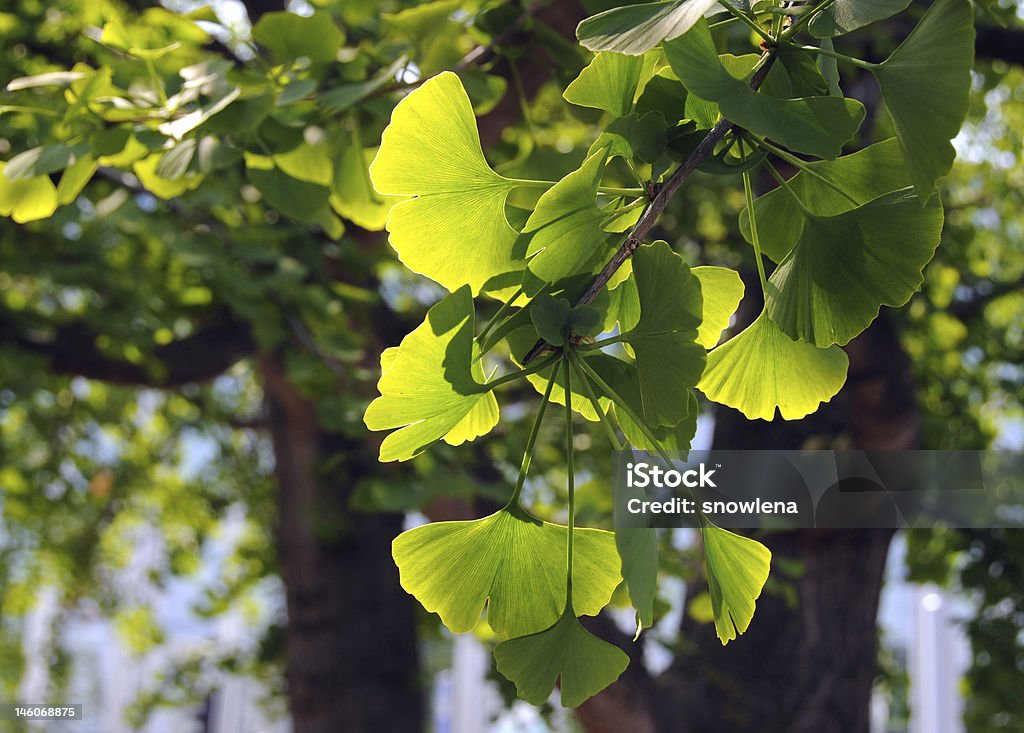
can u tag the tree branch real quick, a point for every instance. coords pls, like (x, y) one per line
(71, 349)
(657, 206)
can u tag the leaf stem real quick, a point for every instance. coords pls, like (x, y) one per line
(789, 189)
(840, 57)
(803, 166)
(804, 20)
(603, 342)
(500, 313)
(750, 22)
(752, 217)
(658, 204)
(620, 191)
(531, 442)
(571, 470)
(606, 423)
(513, 376)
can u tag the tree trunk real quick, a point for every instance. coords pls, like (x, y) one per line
(351, 656)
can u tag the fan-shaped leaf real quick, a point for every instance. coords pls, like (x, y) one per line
(663, 336)
(292, 36)
(844, 268)
(608, 83)
(455, 230)
(584, 663)
(762, 369)
(429, 386)
(635, 29)
(566, 226)
(926, 83)
(816, 125)
(721, 290)
(27, 200)
(737, 570)
(865, 175)
(510, 561)
(843, 16)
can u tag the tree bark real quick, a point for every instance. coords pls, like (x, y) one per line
(351, 650)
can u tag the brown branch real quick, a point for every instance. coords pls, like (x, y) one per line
(71, 349)
(657, 206)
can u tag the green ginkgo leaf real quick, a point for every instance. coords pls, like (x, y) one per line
(608, 83)
(430, 386)
(737, 569)
(636, 29)
(663, 336)
(352, 194)
(638, 550)
(511, 562)
(74, 178)
(624, 379)
(291, 196)
(926, 83)
(290, 36)
(815, 125)
(865, 175)
(454, 231)
(844, 268)
(762, 369)
(721, 290)
(566, 226)
(567, 651)
(27, 200)
(843, 16)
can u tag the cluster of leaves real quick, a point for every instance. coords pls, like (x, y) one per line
(849, 233)
(627, 345)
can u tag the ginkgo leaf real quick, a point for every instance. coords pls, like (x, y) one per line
(510, 561)
(722, 291)
(762, 369)
(429, 386)
(567, 651)
(608, 83)
(844, 268)
(638, 550)
(454, 231)
(663, 337)
(926, 83)
(292, 36)
(737, 569)
(636, 29)
(298, 199)
(352, 194)
(815, 125)
(27, 200)
(865, 175)
(74, 178)
(566, 226)
(624, 379)
(843, 16)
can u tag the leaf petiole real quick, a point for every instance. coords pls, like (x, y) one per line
(751, 214)
(861, 63)
(531, 442)
(748, 21)
(571, 471)
(532, 369)
(789, 189)
(804, 167)
(588, 388)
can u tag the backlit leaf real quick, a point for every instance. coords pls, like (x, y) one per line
(584, 663)
(27, 200)
(843, 16)
(926, 83)
(762, 369)
(815, 125)
(511, 562)
(721, 290)
(845, 267)
(737, 569)
(454, 231)
(635, 29)
(290, 36)
(608, 83)
(430, 388)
